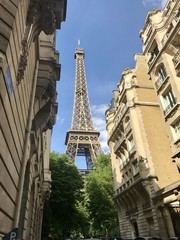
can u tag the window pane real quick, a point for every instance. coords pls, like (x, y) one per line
(9, 82)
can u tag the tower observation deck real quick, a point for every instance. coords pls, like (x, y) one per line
(82, 139)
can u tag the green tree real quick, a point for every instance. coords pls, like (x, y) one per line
(61, 215)
(99, 198)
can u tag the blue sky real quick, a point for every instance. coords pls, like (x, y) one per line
(109, 33)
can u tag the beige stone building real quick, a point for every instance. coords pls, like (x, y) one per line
(144, 134)
(29, 69)
(161, 47)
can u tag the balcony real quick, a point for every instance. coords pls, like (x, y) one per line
(176, 62)
(171, 30)
(127, 128)
(137, 175)
(167, 34)
(118, 119)
(160, 82)
(123, 109)
(132, 211)
(146, 206)
(128, 160)
(118, 144)
(124, 163)
(132, 150)
(133, 181)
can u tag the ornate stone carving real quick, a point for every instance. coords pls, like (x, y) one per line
(46, 184)
(22, 62)
(143, 166)
(34, 13)
(52, 115)
(45, 15)
(51, 90)
(48, 20)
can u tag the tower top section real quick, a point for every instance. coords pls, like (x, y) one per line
(79, 53)
(82, 119)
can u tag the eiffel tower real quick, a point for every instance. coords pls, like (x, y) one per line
(82, 139)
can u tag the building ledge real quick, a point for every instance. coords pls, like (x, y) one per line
(165, 191)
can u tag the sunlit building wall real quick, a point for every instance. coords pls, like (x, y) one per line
(29, 70)
(161, 47)
(143, 132)
(139, 147)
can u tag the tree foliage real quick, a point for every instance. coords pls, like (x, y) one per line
(61, 214)
(74, 210)
(99, 194)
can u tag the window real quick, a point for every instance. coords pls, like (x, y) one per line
(149, 32)
(162, 72)
(153, 53)
(168, 101)
(176, 59)
(135, 167)
(130, 143)
(123, 180)
(9, 82)
(175, 128)
(123, 158)
(127, 124)
(169, 29)
(161, 76)
(177, 15)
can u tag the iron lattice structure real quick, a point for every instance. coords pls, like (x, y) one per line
(82, 139)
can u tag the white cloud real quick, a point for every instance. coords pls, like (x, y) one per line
(98, 113)
(99, 122)
(155, 3)
(99, 109)
(59, 119)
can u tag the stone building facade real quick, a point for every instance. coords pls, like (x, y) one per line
(161, 47)
(143, 132)
(29, 69)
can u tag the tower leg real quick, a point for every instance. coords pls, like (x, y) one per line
(71, 151)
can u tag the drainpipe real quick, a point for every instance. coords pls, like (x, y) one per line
(24, 156)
